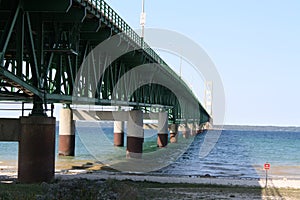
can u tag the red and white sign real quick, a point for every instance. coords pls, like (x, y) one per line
(267, 166)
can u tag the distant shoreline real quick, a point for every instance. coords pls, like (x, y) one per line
(230, 126)
(258, 128)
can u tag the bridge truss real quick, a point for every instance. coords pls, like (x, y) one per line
(47, 55)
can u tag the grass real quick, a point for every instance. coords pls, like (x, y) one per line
(113, 189)
(20, 191)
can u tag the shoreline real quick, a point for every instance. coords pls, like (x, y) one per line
(87, 169)
(95, 187)
(75, 174)
(214, 181)
(280, 176)
(276, 171)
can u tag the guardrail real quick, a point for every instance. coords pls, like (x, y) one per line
(118, 22)
(16, 106)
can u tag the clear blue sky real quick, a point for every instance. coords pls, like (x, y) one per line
(255, 46)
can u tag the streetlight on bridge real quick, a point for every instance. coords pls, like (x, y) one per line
(143, 20)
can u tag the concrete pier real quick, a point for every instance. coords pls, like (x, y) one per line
(135, 134)
(36, 149)
(119, 133)
(199, 129)
(173, 133)
(162, 135)
(10, 129)
(192, 129)
(66, 133)
(185, 131)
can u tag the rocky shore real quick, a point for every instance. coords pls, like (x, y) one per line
(84, 184)
(204, 180)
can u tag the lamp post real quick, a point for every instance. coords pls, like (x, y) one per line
(143, 20)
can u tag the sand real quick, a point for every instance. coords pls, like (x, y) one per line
(172, 187)
(94, 172)
(274, 183)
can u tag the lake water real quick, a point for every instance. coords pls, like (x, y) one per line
(242, 154)
(238, 153)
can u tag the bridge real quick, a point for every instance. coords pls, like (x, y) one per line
(81, 52)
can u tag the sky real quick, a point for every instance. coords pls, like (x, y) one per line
(255, 46)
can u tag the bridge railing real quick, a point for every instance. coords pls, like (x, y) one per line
(117, 21)
(23, 107)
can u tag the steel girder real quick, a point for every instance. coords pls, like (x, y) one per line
(44, 43)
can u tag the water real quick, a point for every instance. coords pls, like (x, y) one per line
(242, 154)
(238, 153)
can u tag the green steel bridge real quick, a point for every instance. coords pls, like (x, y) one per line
(81, 52)
(44, 44)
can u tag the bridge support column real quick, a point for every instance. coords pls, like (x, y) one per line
(36, 149)
(192, 129)
(199, 130)
(119, 133)
(135, 134)
(162, 136)
(185, 131)
(66, 133)
(173, 133)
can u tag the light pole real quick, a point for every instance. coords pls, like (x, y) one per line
(180, 66)
(143, 20)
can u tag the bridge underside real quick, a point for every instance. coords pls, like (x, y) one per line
(47, 55)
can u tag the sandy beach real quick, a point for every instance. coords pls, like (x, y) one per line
(273, 183)
(150, 186)
(87, 174)
(94, 171)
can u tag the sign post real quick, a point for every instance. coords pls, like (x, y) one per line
(267, 166)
